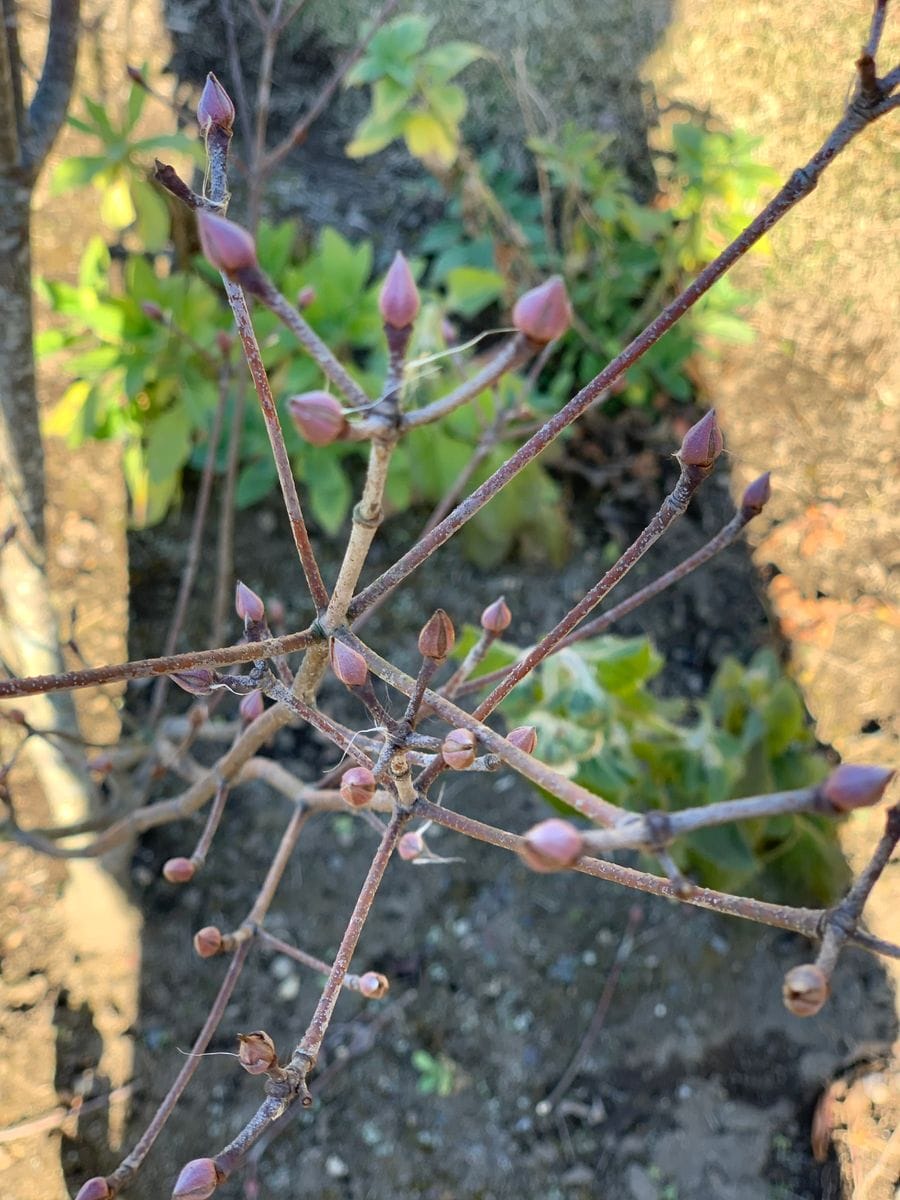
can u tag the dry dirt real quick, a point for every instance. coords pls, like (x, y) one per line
(701, 1084)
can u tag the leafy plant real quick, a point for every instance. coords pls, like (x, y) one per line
(128, 201)
(437, 1075)
(599, 723)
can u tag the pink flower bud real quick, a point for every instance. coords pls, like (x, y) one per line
(256, 1052)
(411, 846)
(197, 1181)
(227, 246)
(358, 786)
(373, 986)
(152, 311)
(702, 443)
(215, 106)
(306, 296)
(252, 706)
(805, 990)
(437, 636)
(524, 737)
(224, 341)
(94, 1189)
(248, 606)
(208, 941)
(399, 299)
(545, 312)
(458, 749)
(850, 786)
(496, 617)
(348, 664)
(197, 680)
(551, 845)
(318, 416)
(756, 494)
(179, 870)
(277, 612)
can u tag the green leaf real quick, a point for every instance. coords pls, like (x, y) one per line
(93, 269)
(449, 104)
(76, 172)
(168, 444)
(116, 208)
(444, 61)
(471, 289)
(373, 134)
(152, 216)
(330, 494)
(255, 482)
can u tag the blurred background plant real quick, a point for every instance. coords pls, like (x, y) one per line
(598, 722)
(159, 315)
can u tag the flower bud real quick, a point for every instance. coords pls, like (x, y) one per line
(496, 617)
(215, 106)
(197, 1180)
(702, 444)
(277, 614)
(224, 341)
(136, 75)
(306, 296)
(805, 990)
(208, 941)
(248, 606)
(373, 985)
(251, 706)
(399, 300)
(437, 636)
(152, 311)
(197, 680)
(411, 846)
(551, 845)
(545, 312)
(348, 664)
(458, 749)
(358, 786)
(318, 417)
(756, 494)
(226, 245)
(179, 870)
(94, 1189)
(850, 786)
(524, 737)
(256, 1052)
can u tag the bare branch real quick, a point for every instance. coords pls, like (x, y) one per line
(47, 110)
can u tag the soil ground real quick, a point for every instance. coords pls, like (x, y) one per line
(700, 1084)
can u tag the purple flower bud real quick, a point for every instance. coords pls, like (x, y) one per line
(197, 1181)
(197, 680)
(348, 664)
(850, 786)
(399, 299)
(373, 985)
(248, 606)
(94, 1189)
(215, 106)
(318, 416)
(179, 870)
(702, 444)
(208, 941)
(545, 312)
(458, 749)
(551, 845)
(496, 617)
(411, 846)
(256, 1052)
(437, 636)
(756, 494)
(358, 786)
(306, 296)
(226, 245)
(524, 737)
(224, 341)
(252, 706)
(805, 990)
(152, 311)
